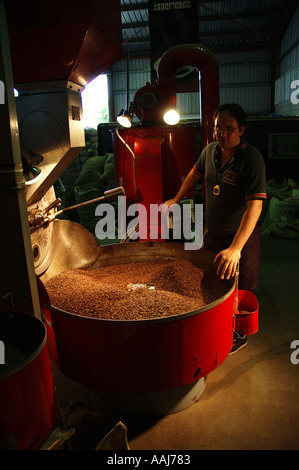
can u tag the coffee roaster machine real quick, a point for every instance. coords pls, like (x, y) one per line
(155, 366)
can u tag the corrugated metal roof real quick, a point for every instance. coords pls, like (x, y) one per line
(223, 25)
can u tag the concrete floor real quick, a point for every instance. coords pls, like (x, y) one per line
(250, 401)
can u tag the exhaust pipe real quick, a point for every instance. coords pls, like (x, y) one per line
(206, 63)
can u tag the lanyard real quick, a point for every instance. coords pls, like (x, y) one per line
(226, 166)
(221, 171)
(217, 187)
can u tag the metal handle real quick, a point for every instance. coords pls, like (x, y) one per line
(236, 301)
(53, 204)
(114, 193)
(108, 196)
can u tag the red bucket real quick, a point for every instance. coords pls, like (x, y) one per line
(246, 321)
(28, 409)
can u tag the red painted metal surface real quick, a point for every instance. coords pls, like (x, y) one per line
(163, 157)
(180, 143)
(206, 340)
(152, 101)
(65, 40)
(247, 314)
(157, 172)
(143, 356)
(146, 356)
(28, 409)
(206, 63)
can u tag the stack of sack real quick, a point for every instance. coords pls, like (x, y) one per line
(280, 218)
(86, 178)
(64, 187)
(96, 177)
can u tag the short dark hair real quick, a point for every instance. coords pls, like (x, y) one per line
(233, 110)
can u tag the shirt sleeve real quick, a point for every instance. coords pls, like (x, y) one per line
(254, 177)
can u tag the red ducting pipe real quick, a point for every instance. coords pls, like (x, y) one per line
(206, 63)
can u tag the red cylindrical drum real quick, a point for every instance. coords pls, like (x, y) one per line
(28, 409)
(151, 162)
(144, 356)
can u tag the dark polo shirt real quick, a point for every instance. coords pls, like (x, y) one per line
(241, 179)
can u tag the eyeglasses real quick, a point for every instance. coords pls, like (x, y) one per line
(228, 130)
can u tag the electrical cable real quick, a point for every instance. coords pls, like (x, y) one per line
(133, 155)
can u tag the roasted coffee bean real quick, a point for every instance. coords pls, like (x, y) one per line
(103, 292)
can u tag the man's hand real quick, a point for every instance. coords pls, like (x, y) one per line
(228, 262)
(167, 206)
(228, 259)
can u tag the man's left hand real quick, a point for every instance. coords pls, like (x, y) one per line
(228, 262)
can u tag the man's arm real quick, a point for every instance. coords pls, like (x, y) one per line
(190, 181)
(229, 258)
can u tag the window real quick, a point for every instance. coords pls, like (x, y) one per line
(95, 102)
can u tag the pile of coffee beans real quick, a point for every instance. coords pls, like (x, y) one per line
(162, 288)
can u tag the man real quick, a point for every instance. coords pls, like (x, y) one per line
(235, 182)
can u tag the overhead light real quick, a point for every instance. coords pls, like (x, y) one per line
(171, 117)
(125, 118)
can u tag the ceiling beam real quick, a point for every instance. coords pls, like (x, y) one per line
(136, 7)
(285, 18)
(134, 25)
(241, 15)
(233, 32)
(285, 15)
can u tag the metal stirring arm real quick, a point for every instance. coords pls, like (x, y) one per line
(41, 217)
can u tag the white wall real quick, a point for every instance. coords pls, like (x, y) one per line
(245, 78)
(287, 84)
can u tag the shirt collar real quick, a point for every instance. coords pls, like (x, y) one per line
(239, 150)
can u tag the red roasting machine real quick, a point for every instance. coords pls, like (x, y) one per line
(152, 366)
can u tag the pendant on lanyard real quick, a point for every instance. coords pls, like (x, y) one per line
(216, 190)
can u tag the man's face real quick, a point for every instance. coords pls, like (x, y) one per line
(227, 131)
